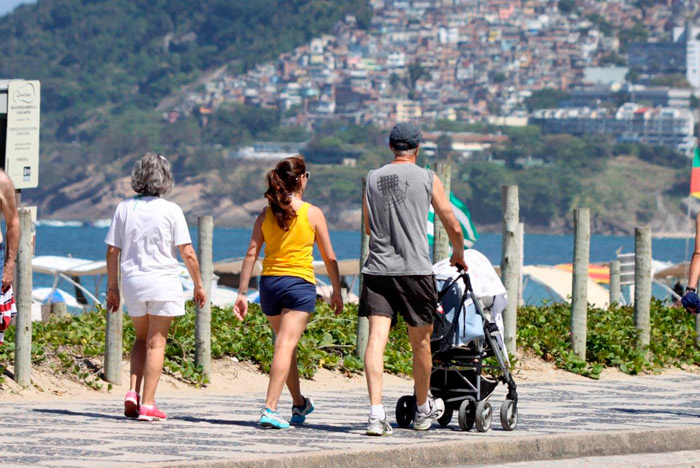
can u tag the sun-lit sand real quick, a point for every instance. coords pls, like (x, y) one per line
(235, 378)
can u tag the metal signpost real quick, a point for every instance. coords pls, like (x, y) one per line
(20, 111)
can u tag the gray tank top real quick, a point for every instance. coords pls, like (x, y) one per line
(398, 199)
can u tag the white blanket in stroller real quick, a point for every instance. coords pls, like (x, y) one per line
(487, 287)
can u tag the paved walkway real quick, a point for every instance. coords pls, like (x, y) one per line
(75, 433)
(681, 459)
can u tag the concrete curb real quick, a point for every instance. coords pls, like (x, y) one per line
(482, 450)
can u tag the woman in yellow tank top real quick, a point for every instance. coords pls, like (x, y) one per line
(288, 227)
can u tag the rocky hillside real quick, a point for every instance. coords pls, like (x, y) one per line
(628, 194)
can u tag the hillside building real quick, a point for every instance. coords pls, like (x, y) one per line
(681, 56)
(663, 126)
(603, 96)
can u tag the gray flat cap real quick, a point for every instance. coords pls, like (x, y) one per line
(405, 136)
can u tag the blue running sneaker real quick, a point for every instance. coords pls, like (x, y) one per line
(272, 420)
(299, 412)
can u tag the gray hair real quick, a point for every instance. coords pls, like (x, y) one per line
(405, 153)
(151, 175)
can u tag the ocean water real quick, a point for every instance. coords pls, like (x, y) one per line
(540, 249)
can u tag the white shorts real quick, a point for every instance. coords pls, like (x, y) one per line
(159, 308)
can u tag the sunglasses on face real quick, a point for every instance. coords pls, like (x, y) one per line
(307, 174)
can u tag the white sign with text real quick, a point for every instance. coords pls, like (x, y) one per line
(22, 144)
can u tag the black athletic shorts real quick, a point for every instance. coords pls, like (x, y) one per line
(415, 297)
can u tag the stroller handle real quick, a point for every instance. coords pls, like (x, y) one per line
(465, 277)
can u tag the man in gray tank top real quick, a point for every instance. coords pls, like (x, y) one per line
(398, 273)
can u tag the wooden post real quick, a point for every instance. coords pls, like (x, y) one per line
(521, 244)
(579, 286)
(55, 309)
(205, 234)
(113, 345)
(615, 290)
(59, 309)
(510, 261)
(23, 339)
(441, 243)
(362, 322)
(642, 282)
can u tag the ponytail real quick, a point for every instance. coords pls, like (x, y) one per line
(282, 182)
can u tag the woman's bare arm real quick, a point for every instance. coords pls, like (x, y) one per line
(240, 309)
(323, 239)
(694, 270)
(113, 297)
(189, 256)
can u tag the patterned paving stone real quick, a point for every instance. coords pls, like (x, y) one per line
(214, 428)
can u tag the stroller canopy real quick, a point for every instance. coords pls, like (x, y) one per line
(487, 285)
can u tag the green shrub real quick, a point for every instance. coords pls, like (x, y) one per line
(611, 340)
(75, 346)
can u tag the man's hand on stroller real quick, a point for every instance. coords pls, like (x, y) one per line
(457, 260)
(690, 301)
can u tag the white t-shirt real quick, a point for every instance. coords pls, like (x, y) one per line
(148, 231)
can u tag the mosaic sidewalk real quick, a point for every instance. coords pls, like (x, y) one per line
(225, 428)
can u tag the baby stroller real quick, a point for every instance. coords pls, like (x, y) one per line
(468, 329)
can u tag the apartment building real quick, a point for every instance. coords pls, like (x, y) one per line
(664, 126)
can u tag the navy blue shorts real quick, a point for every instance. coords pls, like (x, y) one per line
(286, 292)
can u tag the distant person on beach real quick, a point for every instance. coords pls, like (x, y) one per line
(288, 227)
(690, 299)
(398, 274)
(144, 237)
(8, 250)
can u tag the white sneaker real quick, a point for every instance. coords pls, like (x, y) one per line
(379, 427)
(422, 422)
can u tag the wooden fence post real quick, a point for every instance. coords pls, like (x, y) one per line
(510, 261)
(615, 291)
(441, 243)
(521, 244)
(362, 322)
(113, 344)
(579, 286)
(642, 282)
(205, 237)
(23, 271)
(54, 309)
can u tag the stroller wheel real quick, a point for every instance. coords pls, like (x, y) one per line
(446, 417)
(483, 416)
(465, 416)
(509, 415)
(405, 410)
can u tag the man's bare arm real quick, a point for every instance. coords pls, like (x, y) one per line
(9, 210)
(365, 215)
(443, 209)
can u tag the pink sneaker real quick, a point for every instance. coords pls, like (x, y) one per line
(151, 413)
(131, 404)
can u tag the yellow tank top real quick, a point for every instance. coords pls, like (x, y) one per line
(289, 253)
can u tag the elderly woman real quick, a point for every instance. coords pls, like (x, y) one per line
(145, 231)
